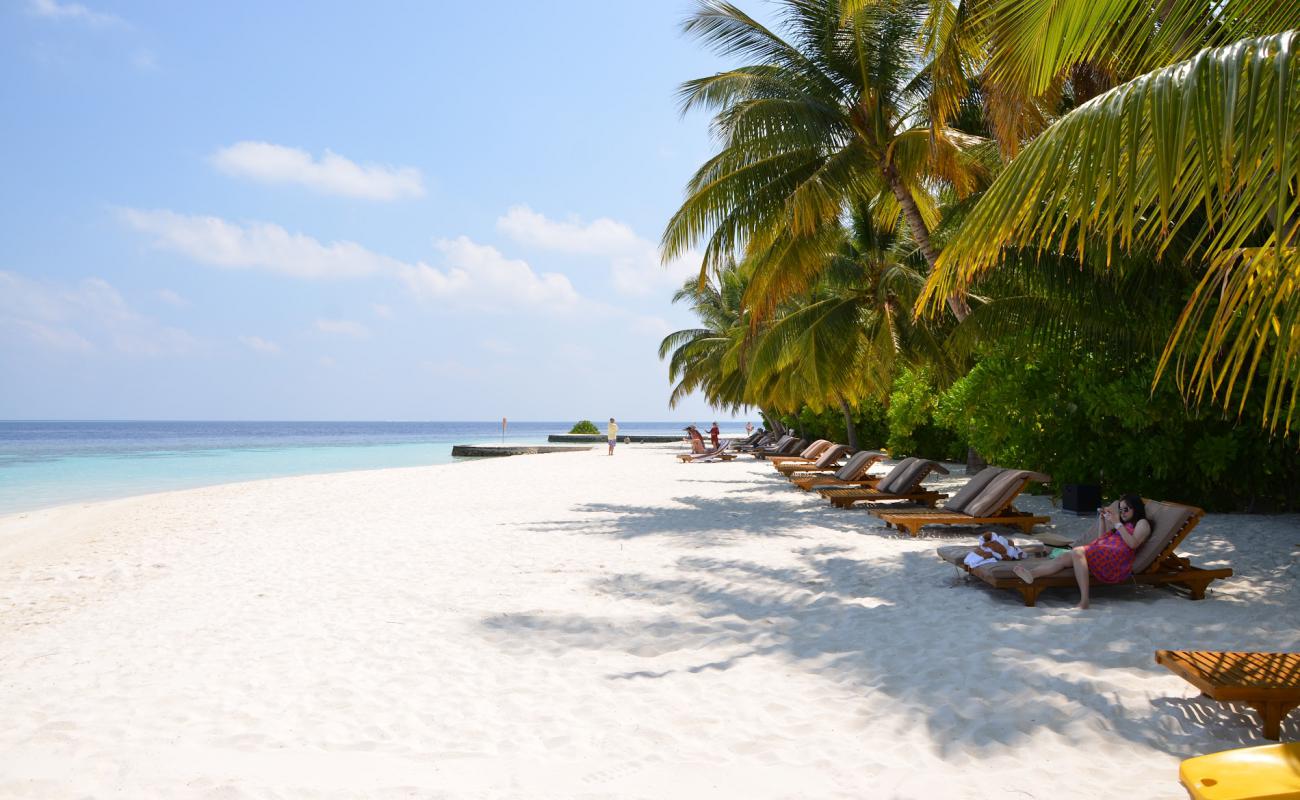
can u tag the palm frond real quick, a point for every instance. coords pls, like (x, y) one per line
(1204, 152)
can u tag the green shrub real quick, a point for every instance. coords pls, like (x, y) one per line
(1087, 419)
(913, 428)
(868, 421)
(584, 426)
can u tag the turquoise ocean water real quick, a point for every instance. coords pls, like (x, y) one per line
(45, 464)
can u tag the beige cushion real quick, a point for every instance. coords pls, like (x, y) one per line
(1166, 519)
(1000, 491)
(954, 554)
(973, 487)
(830, 454)
(911, 482)
(815, 449)
(900, 470)
(854, 466)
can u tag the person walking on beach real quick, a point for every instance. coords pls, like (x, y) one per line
(713, 435)
(749, 429)
(613, 434)
(1109, 558)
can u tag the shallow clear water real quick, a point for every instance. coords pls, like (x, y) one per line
(45, 464)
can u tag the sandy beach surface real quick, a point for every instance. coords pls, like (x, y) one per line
(573, 625)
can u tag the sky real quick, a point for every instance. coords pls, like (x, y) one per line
(331, 210)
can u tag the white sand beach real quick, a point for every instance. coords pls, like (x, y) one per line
(573, 625)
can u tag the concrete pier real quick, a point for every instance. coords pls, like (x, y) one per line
(492, 450)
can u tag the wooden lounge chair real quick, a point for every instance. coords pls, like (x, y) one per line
(853, 473)
(807, 456)
(902, 483)
(1155, 562)
(986, 499)
(720, 454)
(1267, 682)
(761, 438)
(828, 461)
(1269, 771)
(790, 448)
(775, 448)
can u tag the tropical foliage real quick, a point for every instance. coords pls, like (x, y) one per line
(1064, 232)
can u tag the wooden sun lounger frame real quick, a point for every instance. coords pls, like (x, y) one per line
(806, 481)
(788, 468)
(789, 449)
(777, 461)
(1167, 569)
(721, 454)
(1267, 682)
(912, 520)
(846, 496)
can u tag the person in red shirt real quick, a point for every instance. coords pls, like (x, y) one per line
(713, 435)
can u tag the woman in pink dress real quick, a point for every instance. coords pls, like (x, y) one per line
(1109, 558)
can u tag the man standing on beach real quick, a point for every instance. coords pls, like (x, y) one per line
(749, 429)
(713, 435)
(613, 434)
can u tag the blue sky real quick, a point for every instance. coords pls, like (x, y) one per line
(333, 210)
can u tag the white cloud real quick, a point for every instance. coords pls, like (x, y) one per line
(212, 240)
(171, 298)
(634, 263)
(481, 276)
(472, 276)
(51, 9)
(382, 310)
(85, 318)
(343, 327)
(331, 174)
(260, 345)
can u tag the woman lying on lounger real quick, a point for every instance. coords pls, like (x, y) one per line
(1109, 558)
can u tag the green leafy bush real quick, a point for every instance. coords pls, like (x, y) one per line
(913, 429)
(584, 426)
(868, 421)
(1087, 419)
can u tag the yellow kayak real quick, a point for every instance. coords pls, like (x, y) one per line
(1269, 772)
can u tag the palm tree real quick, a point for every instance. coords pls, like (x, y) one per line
(1203, 151)
(710, 358)
(841, 343)
(827, 119)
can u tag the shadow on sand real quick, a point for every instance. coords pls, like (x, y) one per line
(854, 621)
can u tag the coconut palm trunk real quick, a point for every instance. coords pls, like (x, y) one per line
(850, 430)
(956, 302)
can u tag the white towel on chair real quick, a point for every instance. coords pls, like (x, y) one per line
(993, 547)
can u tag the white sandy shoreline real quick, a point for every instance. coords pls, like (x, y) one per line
(571, 625)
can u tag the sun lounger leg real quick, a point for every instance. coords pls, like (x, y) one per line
(1197, 588)
(1273, 714)
(911, 528)
(1030, 593)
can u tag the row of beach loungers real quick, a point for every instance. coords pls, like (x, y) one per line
(1270, 682)
(900, 500)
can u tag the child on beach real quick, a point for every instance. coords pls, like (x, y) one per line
(1109, 558)
(613, 434)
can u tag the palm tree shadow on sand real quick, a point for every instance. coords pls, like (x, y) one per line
(855, 622)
